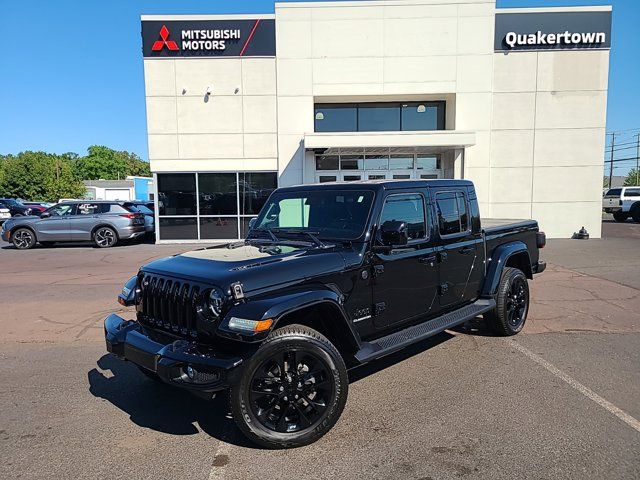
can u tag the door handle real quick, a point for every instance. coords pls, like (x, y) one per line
(467, 250)
(430, 260)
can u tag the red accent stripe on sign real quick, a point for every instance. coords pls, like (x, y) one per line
(246, 44)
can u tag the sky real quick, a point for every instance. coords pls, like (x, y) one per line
(71, 71)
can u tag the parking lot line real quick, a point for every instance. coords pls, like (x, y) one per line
(221, 457)
(590, 394)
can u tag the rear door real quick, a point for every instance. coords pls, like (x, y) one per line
(406, 279)
(83, 221)
(458, 254)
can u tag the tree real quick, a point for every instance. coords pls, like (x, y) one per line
(39, 176)
(633, 178)
(103, 163)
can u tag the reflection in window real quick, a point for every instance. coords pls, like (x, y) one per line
(401, 162)
(453, 216)
(218, 195)
(219, 228)
(178, 228)
(255, 189)
(408, 209)
(428, 162)
(352, 162)
(376, 162)
(327, 162)
(177, 194)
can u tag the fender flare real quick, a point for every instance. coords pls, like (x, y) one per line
(278, 305)
(497, 262)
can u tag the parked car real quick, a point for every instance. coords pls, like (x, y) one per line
(16, 208)
(623, 202)
(36, 207)
(146, 208)
(103, 222)
(5, 213)
(330, 276)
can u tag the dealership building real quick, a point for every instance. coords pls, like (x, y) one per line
(513, 99)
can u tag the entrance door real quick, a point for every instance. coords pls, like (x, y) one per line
(459, 244)
(406, 278)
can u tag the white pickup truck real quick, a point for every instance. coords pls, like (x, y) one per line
(622, 202)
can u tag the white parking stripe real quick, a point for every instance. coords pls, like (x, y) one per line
(221, 456)
(590, 394)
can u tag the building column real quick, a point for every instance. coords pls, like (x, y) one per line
(458, 163)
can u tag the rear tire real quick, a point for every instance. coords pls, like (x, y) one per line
(620, 216)
(105, 237)
(292, 391)
(635, 212)
(23, 239)
(512, 303)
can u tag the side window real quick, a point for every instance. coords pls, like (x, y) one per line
(632, 192)
(614, 192)
(453, 212)
(114, 208)
(407, 208)
(60, 210)
(88, 209)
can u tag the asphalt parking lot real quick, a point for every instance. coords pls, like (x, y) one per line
(560, 400)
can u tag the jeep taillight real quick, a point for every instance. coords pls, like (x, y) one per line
(541, 239)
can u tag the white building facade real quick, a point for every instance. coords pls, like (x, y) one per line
(513, 99)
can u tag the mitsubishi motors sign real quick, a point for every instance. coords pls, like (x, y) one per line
(209, 38)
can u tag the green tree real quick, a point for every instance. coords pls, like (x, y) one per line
(633, 178)
(108, 164)
(39, 176)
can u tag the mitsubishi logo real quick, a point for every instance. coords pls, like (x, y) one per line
(159, 44)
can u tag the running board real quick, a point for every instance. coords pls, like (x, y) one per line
(397, 341)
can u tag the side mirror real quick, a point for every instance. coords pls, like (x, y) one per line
(252, 222)
(393, 233)
(45, 215)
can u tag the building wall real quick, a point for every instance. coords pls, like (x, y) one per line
(548, 135)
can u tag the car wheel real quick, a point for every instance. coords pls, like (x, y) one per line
(620, 216)
(512, 303)
(23, 239)
(292, 391)
(105, 237)
(635, 212)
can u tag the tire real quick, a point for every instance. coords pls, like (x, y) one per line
(261, 401)
(23, 239)
(512, 303)
(105, 237)
(47, 244)
(635, 212)
(620, 216)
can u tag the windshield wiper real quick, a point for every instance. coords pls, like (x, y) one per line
(269, 232)
(311, 235)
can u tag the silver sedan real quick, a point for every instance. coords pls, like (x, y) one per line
(102, 222)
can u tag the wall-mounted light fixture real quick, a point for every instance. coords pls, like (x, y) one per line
(422, 109)
(319, 116)
(208, 92)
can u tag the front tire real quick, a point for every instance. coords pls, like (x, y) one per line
(512, 303)
(23, 239)
(635, 212)
(620, 216)
(105, 237)
(292, 391)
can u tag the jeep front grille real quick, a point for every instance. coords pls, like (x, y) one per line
(169, 304)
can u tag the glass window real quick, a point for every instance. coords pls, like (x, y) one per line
(244, 226)
(88, 209)
(632, 192)
(427, 162)
(218, 194)
(422, 116)
(327, 178)
(401, 162)
(255, 188)
(377, 177)
(60, 210)
(429, 176)
(330, 213)
(406, 208)
(327, 162)
(116, 208)
(221, 228)
(614, 192)
(178, 228)
(140, 208)
(352, 162)
(376, 162)
(336, 118)
(352, 178)
(378, 118)
(452, 212)
(177, 193)
(402, 177)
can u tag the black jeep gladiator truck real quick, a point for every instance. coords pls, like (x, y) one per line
(330, 276)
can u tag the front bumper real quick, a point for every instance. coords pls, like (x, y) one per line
(128, 340)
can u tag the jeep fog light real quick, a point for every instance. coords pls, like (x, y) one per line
(244, 325)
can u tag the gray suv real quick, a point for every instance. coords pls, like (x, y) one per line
(103, 222)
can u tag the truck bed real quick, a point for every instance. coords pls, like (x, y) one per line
(501, 230)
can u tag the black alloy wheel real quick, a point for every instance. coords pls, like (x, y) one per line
(23, 239)
(292, 390)
(105, 237)
(512, 303)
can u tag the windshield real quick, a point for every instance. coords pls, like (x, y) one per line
(11, 202)
(331, 214)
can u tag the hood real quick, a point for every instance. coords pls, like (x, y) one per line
(257, 266)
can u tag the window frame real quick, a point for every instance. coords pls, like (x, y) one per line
(461, 233)
(427, 231)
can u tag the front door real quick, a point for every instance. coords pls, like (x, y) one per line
(405, 282)
(458, 255)
(55, 227)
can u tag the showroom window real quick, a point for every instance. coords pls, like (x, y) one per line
(211, 206)
(373, 117)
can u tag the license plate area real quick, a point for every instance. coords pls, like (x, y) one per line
(139, 357)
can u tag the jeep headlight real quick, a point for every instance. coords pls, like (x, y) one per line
(215, 303)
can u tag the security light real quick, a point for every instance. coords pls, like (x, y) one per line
(319, 116)
(422, 109)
